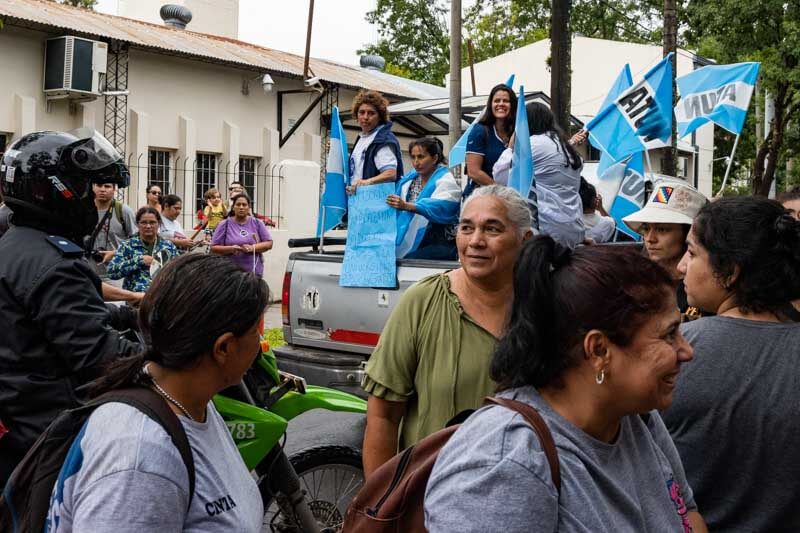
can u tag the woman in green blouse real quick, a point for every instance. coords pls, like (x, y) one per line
(433, 357)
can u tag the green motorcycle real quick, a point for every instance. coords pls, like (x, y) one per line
(308, 492)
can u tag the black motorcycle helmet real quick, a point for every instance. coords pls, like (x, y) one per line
(47, 179)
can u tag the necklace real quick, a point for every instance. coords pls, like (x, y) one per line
(166, 395)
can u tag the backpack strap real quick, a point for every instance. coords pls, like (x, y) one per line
(532, 416)
(155, 407)
(120, 217)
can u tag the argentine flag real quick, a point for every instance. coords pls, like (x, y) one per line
(640, 116)
(458, 152)
(521, 177)
(716, 93)
(334, 198)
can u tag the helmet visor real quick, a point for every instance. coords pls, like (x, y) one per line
(92, 151)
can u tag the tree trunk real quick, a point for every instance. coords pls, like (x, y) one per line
(560, 63)
(768, 153)
(670, 161)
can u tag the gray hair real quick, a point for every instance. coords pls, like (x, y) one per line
(516, 206)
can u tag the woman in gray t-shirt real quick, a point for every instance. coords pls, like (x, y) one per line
(735, 417)
(123, 473)
(593, 344)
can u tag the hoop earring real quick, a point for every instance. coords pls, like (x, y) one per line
(600, 377)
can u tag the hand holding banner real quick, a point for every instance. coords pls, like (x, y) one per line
(369, 255)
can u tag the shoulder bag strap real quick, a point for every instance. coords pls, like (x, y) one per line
(536, 421)
(154, 406)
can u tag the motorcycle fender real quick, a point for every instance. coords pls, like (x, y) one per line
(294, 404)
(254, 430)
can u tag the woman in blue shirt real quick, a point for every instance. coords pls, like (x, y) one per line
(490, 136)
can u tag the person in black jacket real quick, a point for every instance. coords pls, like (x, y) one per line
(56, 328)
(376, 157)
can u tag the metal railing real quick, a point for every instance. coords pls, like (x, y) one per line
(265, 185)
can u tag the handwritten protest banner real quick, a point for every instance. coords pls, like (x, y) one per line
(369, 256)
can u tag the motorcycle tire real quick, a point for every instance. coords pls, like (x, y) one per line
(331, 477)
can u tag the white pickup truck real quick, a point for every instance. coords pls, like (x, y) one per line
(331, 330)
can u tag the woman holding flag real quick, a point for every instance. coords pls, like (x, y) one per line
(428, 199)
(557, 177)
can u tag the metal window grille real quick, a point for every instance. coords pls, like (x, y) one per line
(205, 177)
(158, 170)
(247, 175)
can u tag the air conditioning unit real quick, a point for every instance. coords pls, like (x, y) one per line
(74, 67)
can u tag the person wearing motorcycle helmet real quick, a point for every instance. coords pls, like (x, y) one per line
(56, 328)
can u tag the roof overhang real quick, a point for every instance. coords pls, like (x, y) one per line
(431, 116)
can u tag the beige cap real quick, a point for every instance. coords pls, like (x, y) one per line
(673, 201)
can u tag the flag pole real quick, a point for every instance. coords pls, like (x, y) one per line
(647, 157)
(728, 169)
(322, 232)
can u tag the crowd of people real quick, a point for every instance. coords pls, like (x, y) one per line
(667, 375)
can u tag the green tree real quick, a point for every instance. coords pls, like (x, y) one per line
(767, 31)
(412, 37)
(413, 34)
(498, 26)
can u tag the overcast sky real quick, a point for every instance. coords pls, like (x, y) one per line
(339, 27)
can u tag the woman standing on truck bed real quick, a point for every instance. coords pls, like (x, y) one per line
(428, 199)
(376, 156)
(433, 357)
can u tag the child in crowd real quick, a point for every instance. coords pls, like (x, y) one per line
(215, 209)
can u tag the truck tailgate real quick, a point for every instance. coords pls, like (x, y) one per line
(326, 316)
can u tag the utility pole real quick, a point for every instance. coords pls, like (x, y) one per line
(455, 72)
(561, 63)
(669, 164)
(308, 38)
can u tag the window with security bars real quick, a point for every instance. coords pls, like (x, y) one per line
(158, 170)
(206, 177)
(247, 175)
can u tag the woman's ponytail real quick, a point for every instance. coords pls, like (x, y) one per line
(122, 373)
(527, 354)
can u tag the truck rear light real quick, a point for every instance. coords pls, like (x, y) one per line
(287, 282)
(355, 337)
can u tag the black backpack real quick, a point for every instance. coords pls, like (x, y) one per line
(26, 499)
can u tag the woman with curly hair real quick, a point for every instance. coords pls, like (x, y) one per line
(376, 156)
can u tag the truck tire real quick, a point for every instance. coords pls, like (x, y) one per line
(331, 477)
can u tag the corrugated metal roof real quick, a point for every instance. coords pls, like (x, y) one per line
(52, 15)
